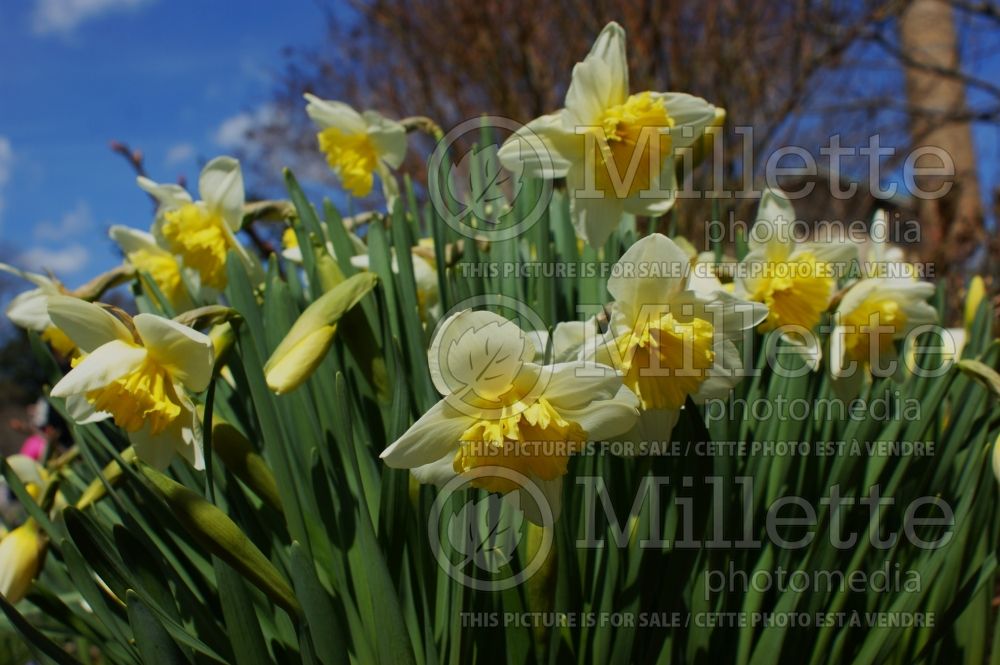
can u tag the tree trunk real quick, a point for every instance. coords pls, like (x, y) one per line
(952, 225)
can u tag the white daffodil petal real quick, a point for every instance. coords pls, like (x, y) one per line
(601, 80)
(632, 291)
(605, 419)
(183, 437)
(156, 450)
(570, 337)
(839, 251)
(104, 365)
(88, 325)
(169, 196)
(654, 425)
(185, 351)
(479, 351)
(544, 148)
(189, 444)
(725, 373)
(575, 384)
(41, 281)
(436, 473)
(730, 315)
(434, 436)
(388, 136)
(919, 313)
(30, 310)
(133, 240)
(691, 115)
(540, 340)
(221, 188)
(772, 230)
(293, 254)
(82, 411)
(329, 113)
(27, 469)
(595, 219)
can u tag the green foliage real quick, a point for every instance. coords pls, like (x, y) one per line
(298, 546)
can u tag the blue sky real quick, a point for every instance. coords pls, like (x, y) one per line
(178, 79)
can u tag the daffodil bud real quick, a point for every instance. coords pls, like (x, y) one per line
(329, 272)
(310, 338)
(974, 297)
(21, 554)
(218, 534)
(244, 462)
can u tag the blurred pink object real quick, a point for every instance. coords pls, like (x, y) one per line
(34, 446)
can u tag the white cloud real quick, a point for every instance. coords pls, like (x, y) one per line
(232, 133)
(74, 222)
(67, 260)
(178, 154)
(63, 16)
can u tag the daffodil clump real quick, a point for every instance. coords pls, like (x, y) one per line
(360, 439)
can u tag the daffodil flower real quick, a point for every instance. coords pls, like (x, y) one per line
(795, 280)
(145, 254)
(672, 332)
(140, 376)
(871, 317)
(32, 475)
(359, 145)
(29, 310)
(21, 554)
(501, 411)
(615, 150)
(879, 258)
(36, 479)
(202, 233)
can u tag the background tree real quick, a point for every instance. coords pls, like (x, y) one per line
(796, 72)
